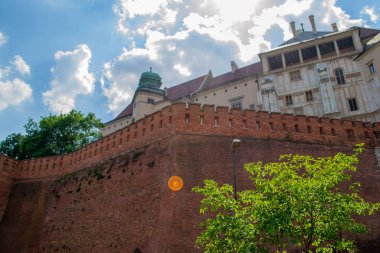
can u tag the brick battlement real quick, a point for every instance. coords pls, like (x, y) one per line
(135, 163)
(199, 120)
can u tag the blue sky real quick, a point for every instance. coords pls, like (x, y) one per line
(57, 55)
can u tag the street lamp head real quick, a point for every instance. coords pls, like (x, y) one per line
(236, 143)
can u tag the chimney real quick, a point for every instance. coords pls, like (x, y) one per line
(334, 27)
(234, 66)
(312, 22)
(293, 26)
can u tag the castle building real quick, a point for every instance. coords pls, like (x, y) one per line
(316, 73)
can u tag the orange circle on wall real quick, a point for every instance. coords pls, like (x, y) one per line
(175, 183)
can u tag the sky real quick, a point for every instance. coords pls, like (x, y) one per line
(88, 55)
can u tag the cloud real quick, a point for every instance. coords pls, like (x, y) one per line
(70, 78)
(3, 38)
(20, 65)
(182, 70)
(184, 39)
(13, 92)
(371, 12)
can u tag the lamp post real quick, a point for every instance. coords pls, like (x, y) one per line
(235, 145)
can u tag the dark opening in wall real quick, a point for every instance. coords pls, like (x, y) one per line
(350, 133)
(275, 62)
(297, 128)
(339, 76)
(327, 49)
(292, 58)
(346, 45)
(309, 54)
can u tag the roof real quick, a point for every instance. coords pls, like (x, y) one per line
(184, 89)
(372, 42)
(305, 36)
(124, 113)
(365, 33)
(230, 77)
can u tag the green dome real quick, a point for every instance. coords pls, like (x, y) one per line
(150, 79)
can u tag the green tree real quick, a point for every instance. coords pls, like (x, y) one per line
(300, 202)
(53, 135)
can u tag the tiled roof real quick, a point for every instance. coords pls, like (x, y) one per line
(366, 33)
(230, 77)
(124, 113)
(184, 89)
(304, 36)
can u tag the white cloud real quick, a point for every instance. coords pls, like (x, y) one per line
(193, 36)
(182, 70)
(13, 92)
(4, 72)
(117, 84)
(20, 65)
(71, 78)
(3, 38)
(371, 12)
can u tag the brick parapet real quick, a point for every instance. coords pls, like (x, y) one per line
(203, 120)
(152, 127)
(212, 120)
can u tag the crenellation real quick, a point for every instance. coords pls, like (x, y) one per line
(201, 119)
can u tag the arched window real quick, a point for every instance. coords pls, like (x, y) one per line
(339, 76)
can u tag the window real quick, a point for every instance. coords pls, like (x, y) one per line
(150, 100)
(275, 62)
(352, 104)
(346, 45)
(309, 54)
(295, 75)
(327, 49)
(292, 58)
(237, 105)
(309, 95)
(288, 100)
(371, 68)
(237, 102)
(339, 76)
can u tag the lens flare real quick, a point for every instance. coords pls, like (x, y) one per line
(175, 183)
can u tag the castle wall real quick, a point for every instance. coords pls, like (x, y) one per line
(123, 203)
(112, 194)
(196, 119)
(7, 166)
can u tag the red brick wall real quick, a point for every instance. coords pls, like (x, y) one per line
(208, 120)
(7, 166)
(130, 205)
(190, 141)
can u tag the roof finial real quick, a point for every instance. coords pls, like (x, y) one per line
(302, 27)
(150, 69)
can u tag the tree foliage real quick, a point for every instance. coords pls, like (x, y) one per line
(53, 135)
(300, 202)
